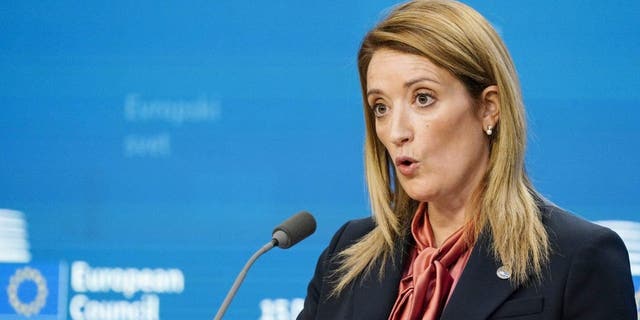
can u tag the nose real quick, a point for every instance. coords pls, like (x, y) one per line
(401, 126)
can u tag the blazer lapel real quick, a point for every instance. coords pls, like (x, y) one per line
(374, 297)
(479, 290)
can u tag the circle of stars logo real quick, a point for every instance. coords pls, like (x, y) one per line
(22, 275)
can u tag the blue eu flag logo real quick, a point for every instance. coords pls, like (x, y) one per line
(29, 291)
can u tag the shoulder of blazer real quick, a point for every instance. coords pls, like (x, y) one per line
(597, 281)
(350, 233)
(565, 229)
(319, 303)
(587, 277)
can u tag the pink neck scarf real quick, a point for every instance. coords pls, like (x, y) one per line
(426, 283)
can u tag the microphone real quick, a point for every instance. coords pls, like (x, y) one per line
(285, 235)
(294, 229)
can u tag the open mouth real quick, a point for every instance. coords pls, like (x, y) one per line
(406, 165)
(405, 161)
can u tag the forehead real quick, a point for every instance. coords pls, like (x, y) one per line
(391, 65)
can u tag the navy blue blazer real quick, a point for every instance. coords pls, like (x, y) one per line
(588, 277)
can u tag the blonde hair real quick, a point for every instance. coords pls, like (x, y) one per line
(457, 38)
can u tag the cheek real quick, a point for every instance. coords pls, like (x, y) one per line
(382, 135)
(456, 143)
(466, 150)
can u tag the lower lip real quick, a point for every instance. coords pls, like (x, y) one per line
(408, 170)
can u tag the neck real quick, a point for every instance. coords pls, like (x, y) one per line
(445, 221)
(448, 214)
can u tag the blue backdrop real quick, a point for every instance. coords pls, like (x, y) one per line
(157, 144)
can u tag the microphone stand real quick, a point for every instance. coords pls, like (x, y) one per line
(241, 276)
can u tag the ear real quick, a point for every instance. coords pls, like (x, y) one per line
(490, 106)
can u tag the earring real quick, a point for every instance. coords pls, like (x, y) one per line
(489, 130)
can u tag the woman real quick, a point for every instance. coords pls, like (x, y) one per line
(457, 232)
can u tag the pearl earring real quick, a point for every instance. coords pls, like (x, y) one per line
(489, 130)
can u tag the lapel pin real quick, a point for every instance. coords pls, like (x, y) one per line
(503, 273)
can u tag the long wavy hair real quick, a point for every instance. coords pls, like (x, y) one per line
(457, 38)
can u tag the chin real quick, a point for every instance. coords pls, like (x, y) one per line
(419, 188)
(420, 196)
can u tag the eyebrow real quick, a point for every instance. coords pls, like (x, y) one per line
(414, 81)
(406, 84)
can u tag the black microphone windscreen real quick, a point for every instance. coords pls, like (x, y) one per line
(294, 229)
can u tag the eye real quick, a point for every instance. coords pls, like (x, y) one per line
(424, 99)
(380, 110)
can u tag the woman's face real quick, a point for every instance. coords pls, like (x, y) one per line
(430, 125)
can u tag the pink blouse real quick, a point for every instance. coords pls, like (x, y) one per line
(430, 274)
